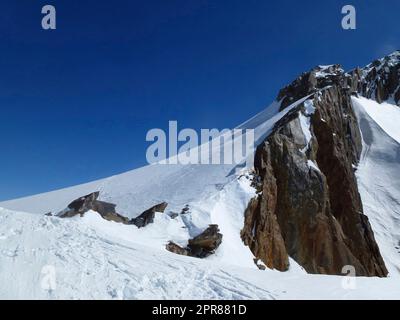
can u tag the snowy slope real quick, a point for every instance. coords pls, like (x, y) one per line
(214, 194)
(137, 190)
(96, 259)
(379, 175)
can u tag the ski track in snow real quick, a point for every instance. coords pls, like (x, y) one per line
(93, 259)
(92, 262)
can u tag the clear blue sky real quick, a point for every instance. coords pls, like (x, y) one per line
(76, 103)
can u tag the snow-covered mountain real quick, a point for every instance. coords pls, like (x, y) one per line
(328, 158)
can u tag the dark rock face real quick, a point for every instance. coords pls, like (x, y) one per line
(339, 149)
(262, 232)
(108, 212)
(308, 206)
(148, 216)
(201, 246)
(309, 83)
(90, 202)
(174, 248)
(380, 80)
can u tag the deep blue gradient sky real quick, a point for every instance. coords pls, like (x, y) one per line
(76, 103)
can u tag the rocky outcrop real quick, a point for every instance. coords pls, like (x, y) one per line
(308, 205)
(262, 232)
(379, 80)
(205, 243)
(108, 211)
(148, 216)
(201, 246)
(89, 202)
(309, 83)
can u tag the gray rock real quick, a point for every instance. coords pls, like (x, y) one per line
(147, 216)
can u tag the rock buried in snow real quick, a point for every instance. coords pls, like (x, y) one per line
(148, 216)
(174, 248)
(201, 246)
(185, 210)
(173, 215)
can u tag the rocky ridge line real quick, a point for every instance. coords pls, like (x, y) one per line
(308, 206)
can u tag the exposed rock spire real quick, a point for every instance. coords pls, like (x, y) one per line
(309, 207)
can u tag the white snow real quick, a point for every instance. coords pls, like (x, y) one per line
(324, 71)
(305, 127)
(91, 258)
(386, 115)
(96, 259)
(313, 165)
(379, 176)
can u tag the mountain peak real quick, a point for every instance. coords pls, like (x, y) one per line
(310, 82)
(380, 80)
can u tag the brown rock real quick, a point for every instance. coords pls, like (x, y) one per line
(312, 213)
(148, 216)
(89, 202)
(206, 243)
(201, 246)
(174, 248)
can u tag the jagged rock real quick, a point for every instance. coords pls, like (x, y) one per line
(174, 248)
(309, 83)
(173, 215)
(259, 266)
(380, 80)
(49, 214)
(108, 210)
(80, 206)
(206, 243)
(185, 210)
(309, 207)
(201, 246)
(90, 202)
(148, 216)
(262, 232)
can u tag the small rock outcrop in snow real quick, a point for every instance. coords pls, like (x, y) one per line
(206, 243)
(107, 210)
(89, 202)
(148, 216)
(201, 246)
(177, 249)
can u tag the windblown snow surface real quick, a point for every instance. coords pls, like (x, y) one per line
(379, 175)
(91, 258)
